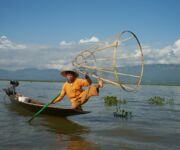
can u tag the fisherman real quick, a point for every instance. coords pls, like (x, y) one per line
(73, 88)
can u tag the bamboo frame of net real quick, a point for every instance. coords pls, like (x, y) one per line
(114, 58)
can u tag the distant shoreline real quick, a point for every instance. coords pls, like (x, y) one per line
(31, 80)
(55, 81)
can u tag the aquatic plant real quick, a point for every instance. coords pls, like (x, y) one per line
(157, 100)
(121, 113)
(113, 101)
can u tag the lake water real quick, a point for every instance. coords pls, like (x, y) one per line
(151, 127)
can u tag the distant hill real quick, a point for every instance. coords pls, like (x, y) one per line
(153, 74)
(161, 74)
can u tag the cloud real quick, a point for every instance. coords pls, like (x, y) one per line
(166, 55)
(41, 58)
(46, 56)
(93, 39)
(56, 64)
(64, 43)
(35, 56)
(5, 43)
(177, 43)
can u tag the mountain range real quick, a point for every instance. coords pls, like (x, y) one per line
(153, 74)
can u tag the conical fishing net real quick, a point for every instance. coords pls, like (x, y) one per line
(118, 60)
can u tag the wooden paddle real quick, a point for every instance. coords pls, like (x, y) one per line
(42, 109)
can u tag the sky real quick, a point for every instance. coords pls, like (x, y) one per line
(48, 33)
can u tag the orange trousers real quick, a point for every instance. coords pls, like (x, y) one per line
(93, 90)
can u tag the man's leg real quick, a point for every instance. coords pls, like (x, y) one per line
(76, 105)
(91, 91)
(85, 95)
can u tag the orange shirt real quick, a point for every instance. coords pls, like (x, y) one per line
(72, 90)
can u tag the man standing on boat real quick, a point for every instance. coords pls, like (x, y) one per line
(73, 88)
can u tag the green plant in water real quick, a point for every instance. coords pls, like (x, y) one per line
(157, 100)
(110, 101)
(113, 101)
(121, 113)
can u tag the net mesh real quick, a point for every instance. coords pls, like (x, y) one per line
(118, 60)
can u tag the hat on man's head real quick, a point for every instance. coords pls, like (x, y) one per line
(69, 69)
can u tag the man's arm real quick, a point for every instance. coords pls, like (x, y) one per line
(85, 82)
(61, 96)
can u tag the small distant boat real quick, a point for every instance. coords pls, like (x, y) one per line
(34, 105)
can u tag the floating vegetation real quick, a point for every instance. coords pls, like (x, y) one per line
(157, 100)
(121, 113)
(113, 101)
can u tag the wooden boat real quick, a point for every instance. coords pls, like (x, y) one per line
(34, 105)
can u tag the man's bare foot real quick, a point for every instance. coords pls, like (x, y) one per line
(100, 83)
(79, 108)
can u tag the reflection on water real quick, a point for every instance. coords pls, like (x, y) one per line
(78, 143)
(75, 132)
(75, 140)
(60, 127)
(63, 126)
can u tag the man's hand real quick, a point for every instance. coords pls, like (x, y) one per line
(86, 76)
(52, 103)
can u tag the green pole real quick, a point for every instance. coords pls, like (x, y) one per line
(42, 109)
